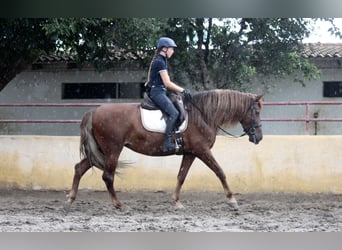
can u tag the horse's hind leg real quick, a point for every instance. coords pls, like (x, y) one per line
(80, 169)
(108, 178)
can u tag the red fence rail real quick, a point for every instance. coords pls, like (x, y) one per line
(46, 105)
(307, 119)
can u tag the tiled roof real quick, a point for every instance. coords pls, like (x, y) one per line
(53, 58)
(117, 56)
(310, 50)
(322, 50)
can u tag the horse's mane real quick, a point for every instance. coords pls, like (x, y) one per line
(219, 107)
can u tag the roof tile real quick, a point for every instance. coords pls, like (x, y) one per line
(322, 50)
(310, 50)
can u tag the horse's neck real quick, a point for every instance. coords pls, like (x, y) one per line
(234, 114)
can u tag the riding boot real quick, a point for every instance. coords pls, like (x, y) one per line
(168, 144)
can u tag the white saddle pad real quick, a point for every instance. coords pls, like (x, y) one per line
(153, 121)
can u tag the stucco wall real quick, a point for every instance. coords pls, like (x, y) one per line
(277, 164)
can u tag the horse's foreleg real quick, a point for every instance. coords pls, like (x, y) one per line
(108, 178)
(210, 161)
(183, 171)
(80, 169)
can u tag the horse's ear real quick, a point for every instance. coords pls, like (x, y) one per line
(259, 97)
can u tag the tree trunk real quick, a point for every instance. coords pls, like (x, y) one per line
(201, 55)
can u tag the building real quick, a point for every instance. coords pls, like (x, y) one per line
(328, 88)
(53, 79)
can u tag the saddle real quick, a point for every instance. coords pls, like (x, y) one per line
(153, 118)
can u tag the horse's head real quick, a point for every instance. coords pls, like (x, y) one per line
(251, 120)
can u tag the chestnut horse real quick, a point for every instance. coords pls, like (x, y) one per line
(110, 127)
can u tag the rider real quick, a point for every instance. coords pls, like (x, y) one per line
(159, 83)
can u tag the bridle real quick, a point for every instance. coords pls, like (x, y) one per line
(246, 131)
(254, 125)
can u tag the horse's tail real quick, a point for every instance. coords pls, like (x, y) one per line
(88, 145)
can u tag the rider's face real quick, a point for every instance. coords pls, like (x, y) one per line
(169, 52)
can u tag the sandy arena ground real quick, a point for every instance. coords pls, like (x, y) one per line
(43, 211)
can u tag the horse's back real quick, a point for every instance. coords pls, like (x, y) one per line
(117, 109)
(116, 116)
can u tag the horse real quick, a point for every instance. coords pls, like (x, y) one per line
(108, 128)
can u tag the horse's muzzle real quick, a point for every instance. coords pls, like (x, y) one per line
(255, 138)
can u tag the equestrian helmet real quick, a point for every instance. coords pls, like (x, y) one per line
(165, 42)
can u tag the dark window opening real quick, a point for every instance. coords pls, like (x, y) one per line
(332, 89)
(102, 90)
(71, 65)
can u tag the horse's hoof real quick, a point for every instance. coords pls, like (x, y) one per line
(66, 207)
(122, 209)
(118, 206)
(70, 198)
(178, 205)
(233, 205)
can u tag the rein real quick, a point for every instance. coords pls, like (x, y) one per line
(231, 135)
(249, 131)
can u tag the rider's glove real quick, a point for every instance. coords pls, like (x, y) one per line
(187, 94)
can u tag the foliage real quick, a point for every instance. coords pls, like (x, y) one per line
(99, 40)
(211, 53)
(229, 53)
(334, 29)
(21, 41)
